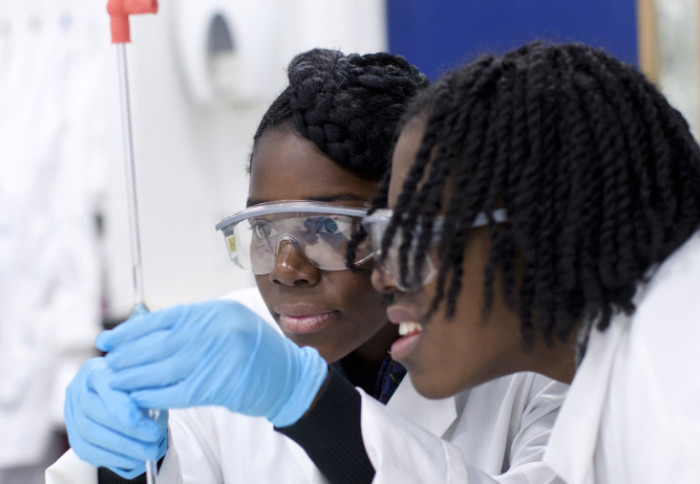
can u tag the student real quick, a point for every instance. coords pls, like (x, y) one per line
(543, 198)
(324, 144)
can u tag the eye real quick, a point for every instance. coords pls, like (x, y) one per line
(328, 227)
(261, 228)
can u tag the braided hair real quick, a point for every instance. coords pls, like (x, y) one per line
(347, 105)
(599, 175)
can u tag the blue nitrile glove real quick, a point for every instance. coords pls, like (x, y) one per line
(105, 426)
(213, 353)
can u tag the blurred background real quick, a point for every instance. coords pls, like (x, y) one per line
(202, 72)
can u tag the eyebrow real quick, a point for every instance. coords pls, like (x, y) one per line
(339, 197)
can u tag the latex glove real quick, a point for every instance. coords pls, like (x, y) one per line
(213, 353)
(105, 426)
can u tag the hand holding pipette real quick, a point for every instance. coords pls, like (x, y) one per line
(105, 426)
(213, 353)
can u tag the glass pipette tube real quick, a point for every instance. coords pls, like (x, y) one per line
(135, 235)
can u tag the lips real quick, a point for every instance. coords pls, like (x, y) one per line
(401, 314)
(303, 319)
(409, 330)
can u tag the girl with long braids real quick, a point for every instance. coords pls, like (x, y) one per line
(318, 156)
(544, 215)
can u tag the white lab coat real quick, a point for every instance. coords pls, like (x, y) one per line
(633, 411)
(506, 421)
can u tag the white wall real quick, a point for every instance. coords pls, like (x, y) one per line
(679, 51)
(191, 157)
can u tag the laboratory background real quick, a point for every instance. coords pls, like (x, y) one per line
(201, 74)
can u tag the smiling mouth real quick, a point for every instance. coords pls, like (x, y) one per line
(410, 334)
(409, 328)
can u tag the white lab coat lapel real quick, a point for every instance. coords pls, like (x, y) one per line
(435, 416)
(69, 469)
(306, 466)
(572, 445)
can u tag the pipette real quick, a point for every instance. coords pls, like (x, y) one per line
(119, 11)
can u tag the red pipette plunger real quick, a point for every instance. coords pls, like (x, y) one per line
(119, 12)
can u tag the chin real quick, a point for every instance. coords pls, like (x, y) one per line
(431, 387)
(330, 354)
(333, 355)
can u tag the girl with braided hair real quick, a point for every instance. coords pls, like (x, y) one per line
(543, 203)
(318, 156)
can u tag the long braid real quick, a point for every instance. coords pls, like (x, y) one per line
(571, 180)
(600, 178)
(439, 96)
(542, 112)
(620, 137)
(502, 125)
(437, 176)
(472, 169)
(433, 187)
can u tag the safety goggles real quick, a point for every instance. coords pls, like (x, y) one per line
(319, 231)
(388, 262)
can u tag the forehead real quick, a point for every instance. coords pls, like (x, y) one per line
(403, 157)
(287, 166)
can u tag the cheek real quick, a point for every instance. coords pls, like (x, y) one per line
(266, 289)
(359, 296)
(465, 350)
(455, 354)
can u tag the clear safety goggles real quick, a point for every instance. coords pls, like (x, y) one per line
(319, 231)
(388, 263)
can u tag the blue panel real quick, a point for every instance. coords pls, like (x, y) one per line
(438, 34)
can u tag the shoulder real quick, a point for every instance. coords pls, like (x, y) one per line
(660, 342)
(521, 389)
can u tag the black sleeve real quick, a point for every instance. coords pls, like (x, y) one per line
(105, 476)
(331, 434)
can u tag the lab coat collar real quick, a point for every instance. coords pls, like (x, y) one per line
(571, 449)
(572, 444)
(435, 416)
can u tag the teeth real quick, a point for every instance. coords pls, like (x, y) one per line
(408, 328)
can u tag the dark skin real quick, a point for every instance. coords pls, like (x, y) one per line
(453, 354)
(287, 166)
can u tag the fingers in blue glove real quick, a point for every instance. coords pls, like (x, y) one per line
(159, 374)
(161, 359)
(137, 326)
(105, 427)
(86, 439)
(150, 348)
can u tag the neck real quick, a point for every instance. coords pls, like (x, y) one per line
(369, 356)
(558, 362)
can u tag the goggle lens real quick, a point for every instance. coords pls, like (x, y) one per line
(322, 237)
(388, 263)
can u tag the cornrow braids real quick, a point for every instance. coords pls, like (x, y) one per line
(347, 105)
(599, 175)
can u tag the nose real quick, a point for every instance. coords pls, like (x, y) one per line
(381, 281)
(292, 268)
